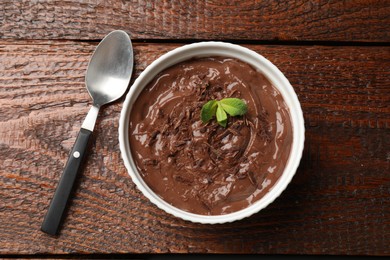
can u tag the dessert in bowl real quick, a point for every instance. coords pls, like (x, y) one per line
(202, 170)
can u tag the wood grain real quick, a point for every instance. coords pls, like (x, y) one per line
(359, 20)
(338, 202)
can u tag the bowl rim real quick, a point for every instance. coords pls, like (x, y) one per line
(215, 48)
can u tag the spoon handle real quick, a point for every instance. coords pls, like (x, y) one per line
(57, 206)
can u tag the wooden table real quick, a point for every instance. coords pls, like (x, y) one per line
(336, 55)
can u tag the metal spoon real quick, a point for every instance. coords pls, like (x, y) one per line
(108, 76)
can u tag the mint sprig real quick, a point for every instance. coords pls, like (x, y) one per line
(221, 108)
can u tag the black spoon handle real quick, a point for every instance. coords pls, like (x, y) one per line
(57, 206)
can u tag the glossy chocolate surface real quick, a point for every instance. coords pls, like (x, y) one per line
(205, 168)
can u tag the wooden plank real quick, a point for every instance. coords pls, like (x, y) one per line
(338, 202)
(359, 20)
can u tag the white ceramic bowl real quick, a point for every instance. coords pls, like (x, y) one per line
(206, 49)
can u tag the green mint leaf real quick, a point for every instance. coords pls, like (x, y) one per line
(223, 123)
(208, 111)
(233, 106)
(221, 115)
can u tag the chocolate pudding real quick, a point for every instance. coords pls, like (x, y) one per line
(205, 168)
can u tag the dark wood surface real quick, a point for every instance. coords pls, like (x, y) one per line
(337, 203)
(359, 20)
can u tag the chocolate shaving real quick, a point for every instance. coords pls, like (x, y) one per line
(198, 163)
(180, 143)
(173, 153)
(183, 179)
(153, 162)
(209, 179)
(203, 130)
(155, 133)
(241, 175)
(179, 166)
(252, 178)
(206, 204)
(160, 113)
(232, 131)
(222, 135)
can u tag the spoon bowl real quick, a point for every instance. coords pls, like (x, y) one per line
(107, 76)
